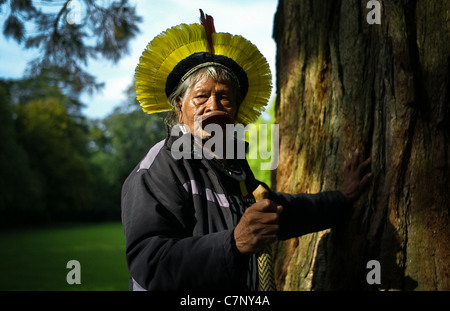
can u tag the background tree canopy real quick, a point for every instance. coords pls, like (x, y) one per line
(56, 164)
(66, 34)
(60, 166)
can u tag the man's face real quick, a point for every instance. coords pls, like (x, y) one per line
(207, 102)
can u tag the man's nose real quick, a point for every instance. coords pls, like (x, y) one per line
(213, 104)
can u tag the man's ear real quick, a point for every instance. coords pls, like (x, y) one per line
(179, 101)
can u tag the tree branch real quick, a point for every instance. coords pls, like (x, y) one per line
(60, 13)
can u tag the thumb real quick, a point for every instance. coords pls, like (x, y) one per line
(279, 209)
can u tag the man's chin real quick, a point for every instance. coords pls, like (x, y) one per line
(204, 136)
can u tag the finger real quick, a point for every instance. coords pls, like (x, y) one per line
(349, 162)
(346, 166)
(266, 206)
(279, 209)
(366, 179)
(356, 158)
(364, 165)
(367, 162)
(270, 232)
(352, 160)
(267, 219)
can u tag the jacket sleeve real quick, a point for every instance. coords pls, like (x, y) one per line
(306, 213)
(161, 252)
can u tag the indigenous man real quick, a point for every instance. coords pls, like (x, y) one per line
(191, 221)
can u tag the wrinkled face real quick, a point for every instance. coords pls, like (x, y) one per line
(206, 102)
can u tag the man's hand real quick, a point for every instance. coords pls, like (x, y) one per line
(258, 227)
(356, 178)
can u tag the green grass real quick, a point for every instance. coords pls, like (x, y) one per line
(36, 259)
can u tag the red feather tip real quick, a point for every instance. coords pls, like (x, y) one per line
(208, 23)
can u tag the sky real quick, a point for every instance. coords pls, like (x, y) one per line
(252, 19)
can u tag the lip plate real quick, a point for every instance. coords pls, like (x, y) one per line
(218, 117)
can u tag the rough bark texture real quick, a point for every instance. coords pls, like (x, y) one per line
(385, 89)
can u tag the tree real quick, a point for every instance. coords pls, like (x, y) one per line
(116, 145)
(67, 34)
(44, 162)
(55, 144)
(344, 83)
(46, 165)
(17, 183)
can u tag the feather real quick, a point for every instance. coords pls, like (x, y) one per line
(166, 50)
(208, 23)
(159, 58)
(249, 58)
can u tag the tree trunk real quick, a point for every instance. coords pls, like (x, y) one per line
(343, 84)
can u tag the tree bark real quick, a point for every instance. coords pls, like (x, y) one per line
(343, 84)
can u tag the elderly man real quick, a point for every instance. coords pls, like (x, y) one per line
(192, 223)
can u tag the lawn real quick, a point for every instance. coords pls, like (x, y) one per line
(36, 259)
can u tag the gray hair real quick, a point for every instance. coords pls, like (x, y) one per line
(217, 74)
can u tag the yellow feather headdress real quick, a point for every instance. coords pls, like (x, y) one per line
(178, 43)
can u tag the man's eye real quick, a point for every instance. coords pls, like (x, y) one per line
(225, 98)
(201, 99)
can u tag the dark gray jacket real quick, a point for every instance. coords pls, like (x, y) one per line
(179, 216)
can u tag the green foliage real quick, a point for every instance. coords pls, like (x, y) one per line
(55, 145)
(117, 144)
(268, 117)
(67, 34)
(57, 165)
(16, 182)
